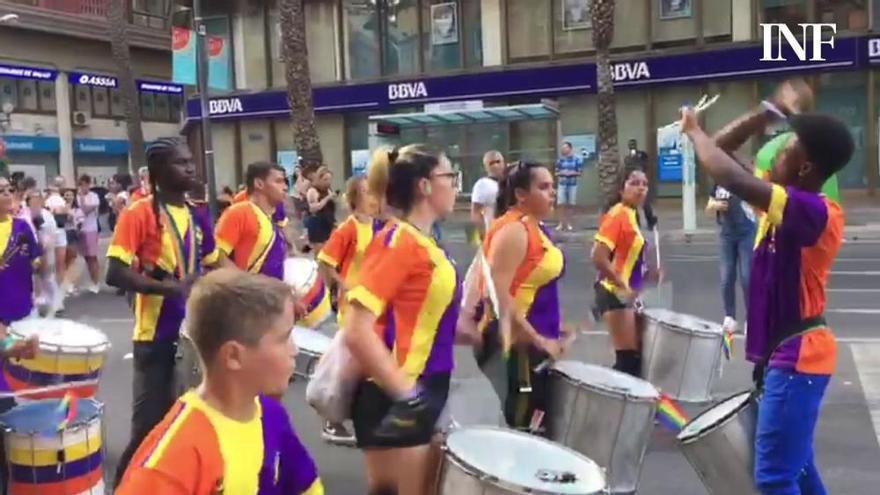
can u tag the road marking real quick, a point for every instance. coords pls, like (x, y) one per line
(867, 360)
(852, 290)
(739, 336)
(870, 273)
(854, 311)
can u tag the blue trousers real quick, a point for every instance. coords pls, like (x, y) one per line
(736, 261)
(787, 417)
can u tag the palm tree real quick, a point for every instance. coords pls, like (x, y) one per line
(117, 19)
(609, 155)
(295, 54)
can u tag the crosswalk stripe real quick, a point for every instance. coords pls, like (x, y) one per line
(867, 360)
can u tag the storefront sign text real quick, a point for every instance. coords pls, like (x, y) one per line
(225, 106)
(20, 72)
(407, 91)
(630, 71)
(93, 80)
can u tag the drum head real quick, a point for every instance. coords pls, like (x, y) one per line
(300, 274)
(310, 341)
(44, 415)
(519, 460)
(714, 416)
(67, 335)
(681, 321)
(607, 379)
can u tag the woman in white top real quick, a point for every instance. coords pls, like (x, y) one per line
(60, 211)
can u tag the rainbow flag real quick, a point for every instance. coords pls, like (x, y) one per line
(727, 344)
(670, 414)
(67, 410)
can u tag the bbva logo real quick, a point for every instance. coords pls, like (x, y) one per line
(406, 91)
(224, 106)
(630, 71)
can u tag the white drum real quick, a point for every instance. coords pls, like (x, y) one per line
(720, 445)
(312, 345)
(606, 415)
(302, 275)
(681, 354)
(69, 352)
(494, 461)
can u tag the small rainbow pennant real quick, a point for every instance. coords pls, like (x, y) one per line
(67, 410)
(670, 414)
(727, 344)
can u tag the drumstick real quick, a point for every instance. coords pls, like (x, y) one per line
(48, 388)
(657, 245)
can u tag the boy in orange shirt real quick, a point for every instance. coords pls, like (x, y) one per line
(225, 436)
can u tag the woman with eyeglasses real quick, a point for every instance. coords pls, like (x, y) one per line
(525, 267)
(619, 258)
(409, 362)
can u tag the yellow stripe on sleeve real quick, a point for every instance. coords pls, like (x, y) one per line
(778, 199)
(325, 257)
(120, 253)
(367, 299)
(604, 240)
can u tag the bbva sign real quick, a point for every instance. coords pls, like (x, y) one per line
(630, 71)
(407, 91)
(225, 106)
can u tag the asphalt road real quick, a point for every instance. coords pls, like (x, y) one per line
(847, 443)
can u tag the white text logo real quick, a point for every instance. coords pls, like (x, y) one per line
(773, 35)
(406, 91)
(874, 47)
(104, 81)
(630, 71)
(228, 105)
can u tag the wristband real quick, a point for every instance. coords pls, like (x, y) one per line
(7, 342)
(774, 110)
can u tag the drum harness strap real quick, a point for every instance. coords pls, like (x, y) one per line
(800, 328)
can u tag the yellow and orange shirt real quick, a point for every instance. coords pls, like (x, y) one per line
(253, 241)
(345, 250)
(619, 231)
(184, 243)
(535, 285)
(797, 241)
(406, 274)
(196, 450)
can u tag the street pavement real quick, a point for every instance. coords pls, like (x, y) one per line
(847, 449)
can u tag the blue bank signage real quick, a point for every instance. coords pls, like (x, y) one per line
(100, 146)
(31, 144)
(23, 72)
(739, 62)
(104, 81)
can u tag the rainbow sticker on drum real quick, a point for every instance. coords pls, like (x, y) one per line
(69, 352)
(44, 461)
(301, 274)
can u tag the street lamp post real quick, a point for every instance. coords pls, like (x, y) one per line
(202, 76)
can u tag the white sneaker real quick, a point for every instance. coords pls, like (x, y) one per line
(95, 289)
(729, 324)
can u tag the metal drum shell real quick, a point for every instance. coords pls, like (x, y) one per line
(187, 369)
(311, 345)
(689, 378)
(594, 420)
(457, 477)
(723, 455)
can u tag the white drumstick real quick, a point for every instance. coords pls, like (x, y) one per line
(490, 285)
(48, 389)
(701, 102)
(657, 245)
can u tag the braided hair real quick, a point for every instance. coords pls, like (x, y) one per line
(159, 154)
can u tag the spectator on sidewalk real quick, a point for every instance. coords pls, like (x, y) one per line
(568, 170)
(736, 233)
(485, 193)
(89, 202)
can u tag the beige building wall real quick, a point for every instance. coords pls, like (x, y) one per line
(331, 132)
(223, 134)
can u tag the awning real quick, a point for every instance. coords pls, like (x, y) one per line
(488, 115)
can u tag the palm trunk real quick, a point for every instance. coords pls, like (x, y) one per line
(118, 30)
(609, 154)
(299, 83)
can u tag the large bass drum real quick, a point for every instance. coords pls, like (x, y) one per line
(494, 461)
(720, 445)
(301, 274)
(606, 415)
(680, 354)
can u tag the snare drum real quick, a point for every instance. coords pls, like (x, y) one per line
(720, 445)
(494, 461)
(43, 461)
(187, 370)
(606, 415)
(312, 345)
(301, 274)
(681, 354)
(69, 352)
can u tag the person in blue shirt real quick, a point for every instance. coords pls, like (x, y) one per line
(568, 170)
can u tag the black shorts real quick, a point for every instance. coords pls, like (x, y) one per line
(528, 391)
(607, 300)
(318, 229)
(371, 404)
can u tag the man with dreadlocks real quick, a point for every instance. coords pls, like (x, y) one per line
(172, 241)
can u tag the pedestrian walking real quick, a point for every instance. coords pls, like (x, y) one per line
(321, 218)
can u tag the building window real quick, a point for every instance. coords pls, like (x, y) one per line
(27, 96)
(101, 102)
(150, 13)
(361, 36)
(47, 96)
(849, 15)
(116, 107)
(147, 106)
(162, 111)
(400, 20)
(82, 99)
(572, 25)
(789, 12)
(528, 28)
(8, 91)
